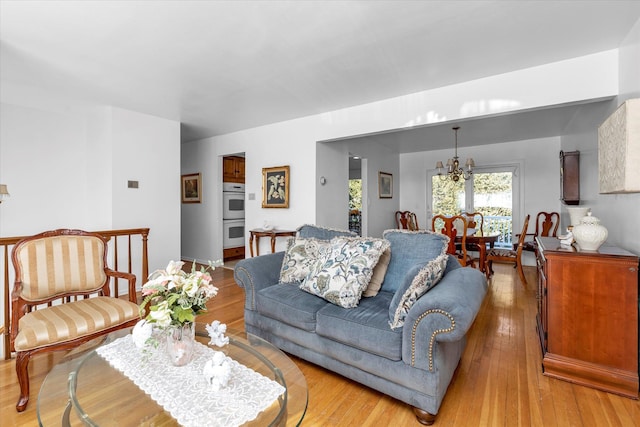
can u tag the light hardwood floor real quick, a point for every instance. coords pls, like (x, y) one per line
(499, 381)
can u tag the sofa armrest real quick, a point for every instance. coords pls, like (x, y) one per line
(445, 313)
(257, 273)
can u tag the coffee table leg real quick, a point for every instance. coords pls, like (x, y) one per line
(66, 414)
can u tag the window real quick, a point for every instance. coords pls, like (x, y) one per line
(493, 191)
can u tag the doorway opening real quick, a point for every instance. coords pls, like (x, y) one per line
(355, 194)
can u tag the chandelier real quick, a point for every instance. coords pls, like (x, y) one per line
(454, 171)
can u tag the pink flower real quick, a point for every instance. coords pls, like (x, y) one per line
(148, 291)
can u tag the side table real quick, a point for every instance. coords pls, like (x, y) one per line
(273, 234)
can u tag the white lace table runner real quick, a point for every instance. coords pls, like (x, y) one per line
(184, 392)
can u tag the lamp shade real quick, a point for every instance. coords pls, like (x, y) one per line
(4, 193)
(619, 150)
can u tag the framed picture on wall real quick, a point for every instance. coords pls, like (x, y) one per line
(191, 188)
(275, 187)
(385, 185)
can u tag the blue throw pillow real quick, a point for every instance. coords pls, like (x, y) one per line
(418, 281)
(409, 248)
(322, 233)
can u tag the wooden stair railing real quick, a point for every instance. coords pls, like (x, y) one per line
(7, 243)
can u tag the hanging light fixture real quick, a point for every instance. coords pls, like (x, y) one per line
(454, 171)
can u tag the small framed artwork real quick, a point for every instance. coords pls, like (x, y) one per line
(385, 185)
(275, 187)
(191, 188)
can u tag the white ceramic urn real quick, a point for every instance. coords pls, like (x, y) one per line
(589, 234)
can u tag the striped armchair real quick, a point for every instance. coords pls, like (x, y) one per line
(61, 296)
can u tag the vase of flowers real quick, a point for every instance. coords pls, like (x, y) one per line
(174, 299)
(180, 343)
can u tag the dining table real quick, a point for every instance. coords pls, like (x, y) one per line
(482, 240)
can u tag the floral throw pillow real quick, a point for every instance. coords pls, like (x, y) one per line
(342, 275)
(299, 256)
(420, 279)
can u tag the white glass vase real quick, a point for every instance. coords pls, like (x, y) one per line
(180, 343)
(576, 214)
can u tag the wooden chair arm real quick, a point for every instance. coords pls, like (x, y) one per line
(131, 278)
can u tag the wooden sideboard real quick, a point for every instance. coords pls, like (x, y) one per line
(588, 315)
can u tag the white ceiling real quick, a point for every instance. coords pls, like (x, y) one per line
(223, 66)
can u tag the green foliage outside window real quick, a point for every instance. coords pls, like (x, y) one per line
(491, 196)
(355, 194)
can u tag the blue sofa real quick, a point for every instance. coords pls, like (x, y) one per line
(413, 363)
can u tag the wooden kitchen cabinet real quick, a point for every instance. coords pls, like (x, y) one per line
(233, 169)
(233, 253)
(588, 315)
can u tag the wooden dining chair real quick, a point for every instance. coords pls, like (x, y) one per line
(406, 220)
(546, 225)
(68, 267)
(475, 220)
(510, 256)
(450, 225)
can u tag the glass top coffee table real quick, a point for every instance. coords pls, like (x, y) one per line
(85, 390)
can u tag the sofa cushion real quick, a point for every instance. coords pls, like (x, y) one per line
(409, 248)
(290, 305)
(365, 327)
(322, 233)
(299, 256)
(418, 281)
(342, 275)
(379, 272)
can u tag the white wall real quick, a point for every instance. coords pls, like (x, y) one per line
(378, 213)
(147, 149)
(68, 166)
(335, 192)
(43, 163)
(617, 212)
(294, 142)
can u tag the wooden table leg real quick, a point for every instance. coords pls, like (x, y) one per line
(482, 249)
(251, 244)
(257, 245)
